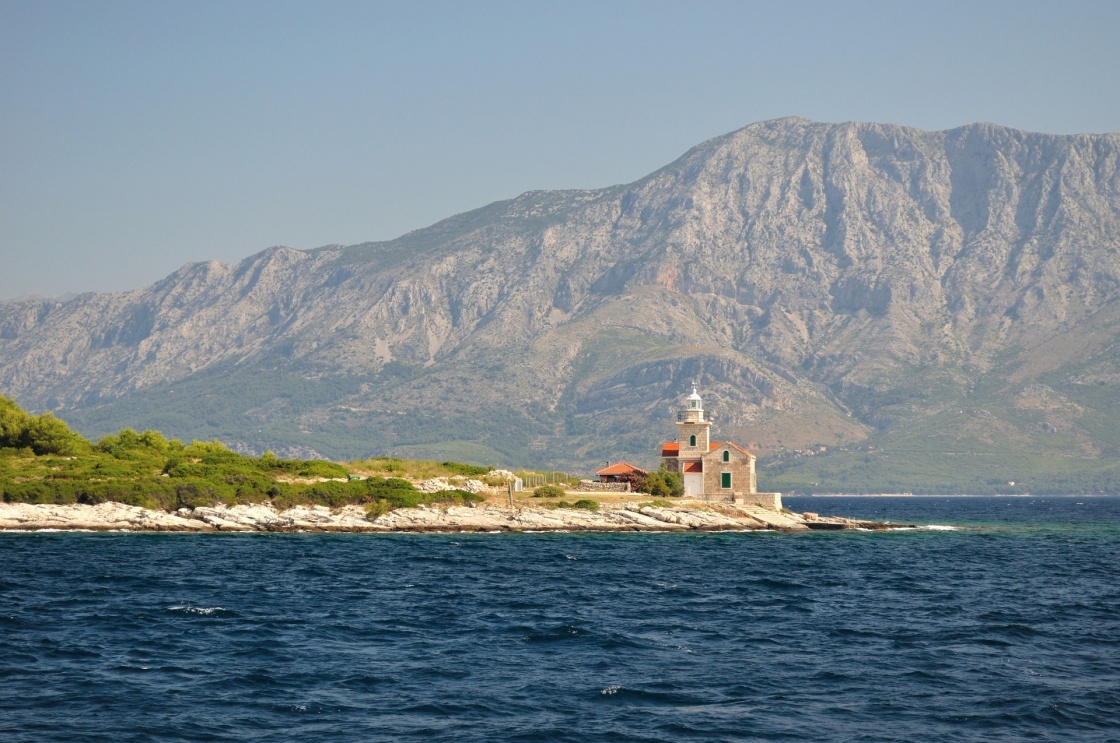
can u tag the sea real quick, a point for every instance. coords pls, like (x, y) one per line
(998, 619)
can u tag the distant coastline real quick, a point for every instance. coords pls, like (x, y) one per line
(954, 495)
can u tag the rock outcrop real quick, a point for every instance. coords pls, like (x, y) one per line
(485, 518)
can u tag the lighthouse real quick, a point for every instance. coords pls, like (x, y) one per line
(711, 470)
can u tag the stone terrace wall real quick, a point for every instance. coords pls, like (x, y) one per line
(590, 486)
(772, 501)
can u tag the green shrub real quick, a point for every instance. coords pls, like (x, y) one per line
(458, 496)
(388, 487)
(663, 482)
(211, 452)
(378, 508)
(402, 498)
(332, 494)
(586, 504)
(548, 491)
(146, 469)
(14, 422)
(31, 492)
(49, 435)
(129, 444)
(180, 468)
(192, 495)
(299, 467)
(130, 494)
(467, 470)
(109, 469)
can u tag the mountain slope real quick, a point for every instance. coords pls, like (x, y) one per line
(846, 285)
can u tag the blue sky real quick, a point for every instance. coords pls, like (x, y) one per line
(139, 136)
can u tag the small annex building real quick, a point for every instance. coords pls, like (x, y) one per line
(712, 470)
(620, 472)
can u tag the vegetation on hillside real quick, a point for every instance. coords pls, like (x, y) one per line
(41, 434)
(43, 461)
(416, 469)
(984, 471)
(1050, 437)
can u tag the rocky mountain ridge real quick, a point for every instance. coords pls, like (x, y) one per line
(836, 285)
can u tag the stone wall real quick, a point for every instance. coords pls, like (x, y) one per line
(590, 486)
(739, 465)
(701, 431)
(770, 501)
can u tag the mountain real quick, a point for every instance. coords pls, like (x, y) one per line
(939, 310)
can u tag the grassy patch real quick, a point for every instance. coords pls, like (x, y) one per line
(416, 469)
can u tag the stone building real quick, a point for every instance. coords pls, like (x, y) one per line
(712, 470)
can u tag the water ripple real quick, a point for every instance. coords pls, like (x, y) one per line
(1006, 629)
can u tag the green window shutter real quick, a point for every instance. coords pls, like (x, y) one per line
(727, 456)
(725, 480)
(692, 440)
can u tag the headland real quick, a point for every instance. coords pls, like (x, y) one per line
(634, 515)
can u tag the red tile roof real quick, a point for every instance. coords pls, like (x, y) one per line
(621, 468)
(673, 448)
(739, 448)
(717, 444)
(693, 466)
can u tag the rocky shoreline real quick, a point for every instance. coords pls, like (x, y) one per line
(633, 516)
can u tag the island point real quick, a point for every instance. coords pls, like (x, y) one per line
(51, 478)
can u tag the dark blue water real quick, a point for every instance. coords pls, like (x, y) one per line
(1007, 630)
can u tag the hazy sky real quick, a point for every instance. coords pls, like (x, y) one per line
(139, 136)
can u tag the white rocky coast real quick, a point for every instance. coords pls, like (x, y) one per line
(635, 516)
